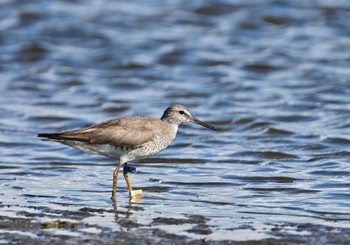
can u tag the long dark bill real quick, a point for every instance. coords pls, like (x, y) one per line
(194, 120)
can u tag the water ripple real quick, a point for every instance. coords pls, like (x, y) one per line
(272, 76)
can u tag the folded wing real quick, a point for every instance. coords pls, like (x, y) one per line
(121, 132)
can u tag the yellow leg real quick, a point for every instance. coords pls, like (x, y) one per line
(126, 177)
(115, 177)
(132, 193)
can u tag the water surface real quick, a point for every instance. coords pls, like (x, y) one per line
(272, 76)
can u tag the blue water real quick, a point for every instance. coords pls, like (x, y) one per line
(272, 76)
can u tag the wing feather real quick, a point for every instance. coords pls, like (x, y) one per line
(127, 132)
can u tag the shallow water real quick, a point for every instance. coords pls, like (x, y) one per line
(272, 76)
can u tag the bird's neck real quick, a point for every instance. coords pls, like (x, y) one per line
(170, 120)
(173, 125)
(173, 131)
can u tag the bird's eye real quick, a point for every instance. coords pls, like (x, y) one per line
(181, 112)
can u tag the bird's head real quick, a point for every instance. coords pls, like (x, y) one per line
(177, 114)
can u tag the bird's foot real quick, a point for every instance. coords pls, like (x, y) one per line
(136, 196)
(135, 193)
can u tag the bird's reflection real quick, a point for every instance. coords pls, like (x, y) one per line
(129, 208)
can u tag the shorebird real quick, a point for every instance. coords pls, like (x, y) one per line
(127, 138)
